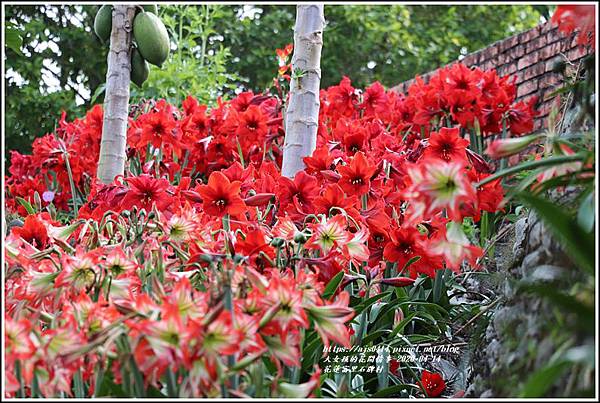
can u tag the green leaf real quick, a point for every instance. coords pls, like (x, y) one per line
(539, 383)
(400, 327)
(333, 285)
(370, 301)
(530, 165)
(578, 244)
(13, 39)
(392, 390)
(373, 336)
(26, 204)
(438, 286)
(585, 215)
(309, 358)
(98, 92)
(585, 313)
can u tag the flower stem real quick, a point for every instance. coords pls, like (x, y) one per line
(71, 184)
(530, 165)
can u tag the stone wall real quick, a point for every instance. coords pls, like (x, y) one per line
(521, 335)
(530, 56)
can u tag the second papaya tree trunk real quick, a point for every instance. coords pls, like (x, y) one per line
(302, 113)
(116, 99)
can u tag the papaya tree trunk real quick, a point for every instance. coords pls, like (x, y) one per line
(116, 98)
(302, 113)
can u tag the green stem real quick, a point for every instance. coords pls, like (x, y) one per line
(171, 383)
(72, 184)
(19, 376)
(530, 165)
(239, 148)
(503, 161)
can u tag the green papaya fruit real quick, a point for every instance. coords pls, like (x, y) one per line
(152, 8)
(103, 23)
(151, 37)
(139, 68)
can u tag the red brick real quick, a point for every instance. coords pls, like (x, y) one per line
(503, 70)
(550, 80)
(555, 35)
(526, 88)
(490, 52)
(472, 58)
(528, 35)
(545, 53)
(534, 71)
(545, 107)
(517, 51)
(573, 40)
(526, 60)
(547, 27)
(557, 47)
(508, 43)
(576, 53)
(499, 59)
(535, 44)
(488, 65)
(512, 67)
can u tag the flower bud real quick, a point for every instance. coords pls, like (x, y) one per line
(277, 242)
(398, 281)
(300, 237)
(506, 147)
(259, 199)
(192, 196)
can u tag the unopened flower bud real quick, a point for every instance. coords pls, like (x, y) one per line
(300, 237)
(398, 281)
(506, 147)
(277, 242)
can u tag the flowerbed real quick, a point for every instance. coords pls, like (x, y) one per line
(204, 272)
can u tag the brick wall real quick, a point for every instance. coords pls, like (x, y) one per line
(530, 56)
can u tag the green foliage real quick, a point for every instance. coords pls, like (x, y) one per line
(62, 63)
(389, 43)
(198, 61)
(13, 38)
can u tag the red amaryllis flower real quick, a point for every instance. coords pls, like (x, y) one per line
(356, 176)
(252, 246)
(520, 117)
(447, 145)
(570, 17)
(220, 196)
(320, 160)
(33, 231)
(160, 128)
(252, 124)
(330, 320)
(334, 196)
(405, 243)
(144, 191)
(299, 192)
(433, 384)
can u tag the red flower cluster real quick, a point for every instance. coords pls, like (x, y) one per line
(205, 251)
(580, 18)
